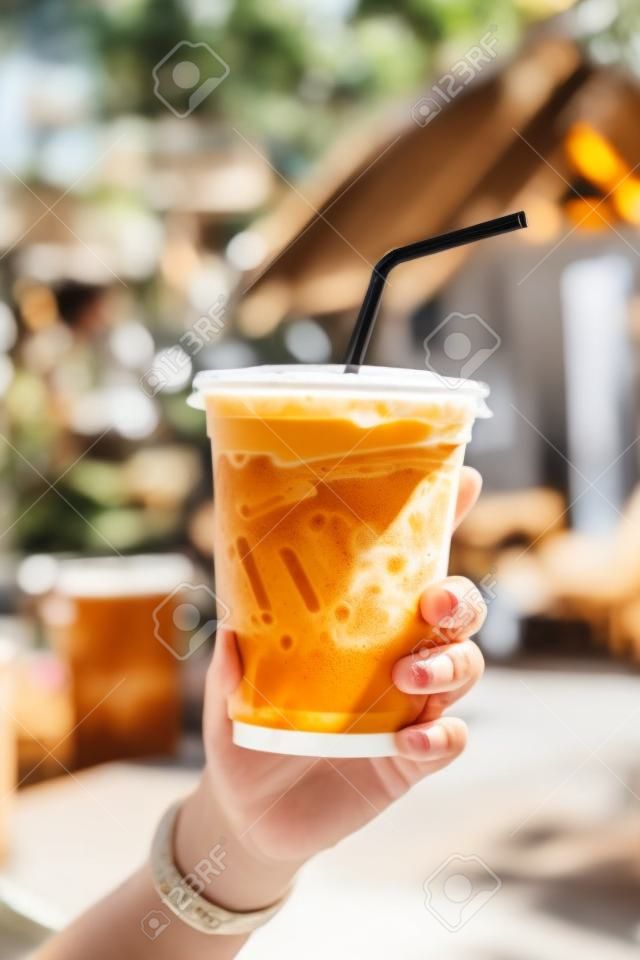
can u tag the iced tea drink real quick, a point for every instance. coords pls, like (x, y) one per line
(111, 619)
(334, 501)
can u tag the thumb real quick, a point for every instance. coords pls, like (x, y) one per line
(223, 676)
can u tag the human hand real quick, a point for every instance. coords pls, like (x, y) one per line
(276, 811)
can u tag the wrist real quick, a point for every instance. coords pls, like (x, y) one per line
(208, 847)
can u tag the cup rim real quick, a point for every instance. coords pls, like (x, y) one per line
(331, 378)
(125, 575)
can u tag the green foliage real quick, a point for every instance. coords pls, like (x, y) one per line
(616, 40)
(297, 72)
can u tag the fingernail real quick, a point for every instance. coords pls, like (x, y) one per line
(453, 601)
(438, 669)
(435, 741)
(419, 740)
(421, 674)
(446, 607)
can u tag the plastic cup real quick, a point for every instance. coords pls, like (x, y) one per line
(334, 502)
(111, 620)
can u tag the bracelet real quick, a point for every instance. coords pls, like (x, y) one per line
(180, 895)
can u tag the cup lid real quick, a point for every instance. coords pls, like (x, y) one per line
(331, 378)
(141, 575)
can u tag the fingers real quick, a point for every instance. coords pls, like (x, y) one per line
(439, 670)
(438, 742)
(449, 664)
(455, 607)
(451, 680)
(468, 493)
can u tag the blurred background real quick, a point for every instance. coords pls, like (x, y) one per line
(187, 185)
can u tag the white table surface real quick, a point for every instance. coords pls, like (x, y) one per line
(548, 795)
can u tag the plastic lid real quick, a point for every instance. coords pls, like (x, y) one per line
(331, 378)
(123, 576)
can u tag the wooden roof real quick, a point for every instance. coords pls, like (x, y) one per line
(480, 157)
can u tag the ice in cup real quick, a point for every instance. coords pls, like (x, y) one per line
(111, 619)
(334, 502)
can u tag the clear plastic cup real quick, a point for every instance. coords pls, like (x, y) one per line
(113, 622)
(334, 502)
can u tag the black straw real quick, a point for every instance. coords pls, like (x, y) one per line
(367, 317)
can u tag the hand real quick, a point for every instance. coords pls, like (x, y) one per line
(277, 811)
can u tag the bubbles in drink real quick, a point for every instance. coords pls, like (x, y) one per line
(396, 563)
(286, 642)
(416, 522)
(363, 539)
(342, 612)
(267, 618)
(318, 521)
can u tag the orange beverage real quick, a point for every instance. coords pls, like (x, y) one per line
(111, 619)
(335, 496)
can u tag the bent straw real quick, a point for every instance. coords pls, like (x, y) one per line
(368, 311)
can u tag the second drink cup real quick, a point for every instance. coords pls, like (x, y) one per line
(334, 502)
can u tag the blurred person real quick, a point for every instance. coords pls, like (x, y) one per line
(89, 313)
(66, 345)
(275, 812)
(84, 307)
